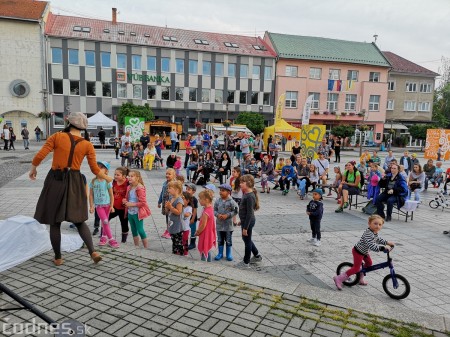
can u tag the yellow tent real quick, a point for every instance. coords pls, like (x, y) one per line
(281, 127)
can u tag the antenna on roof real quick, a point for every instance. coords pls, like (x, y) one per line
(375, 37)
(166, 21)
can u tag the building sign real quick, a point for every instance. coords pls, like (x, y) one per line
(122, 76)
(135, 125)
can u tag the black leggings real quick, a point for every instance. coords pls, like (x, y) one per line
(55, 237)
(123, 220)
(337, 153)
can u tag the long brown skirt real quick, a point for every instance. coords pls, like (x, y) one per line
(63, 198)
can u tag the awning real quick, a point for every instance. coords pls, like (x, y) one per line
(394, 126)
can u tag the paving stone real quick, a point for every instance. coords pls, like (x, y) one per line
(219, 327)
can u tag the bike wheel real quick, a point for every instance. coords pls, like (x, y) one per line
(352, 280)
(434, 204)
(401, 292)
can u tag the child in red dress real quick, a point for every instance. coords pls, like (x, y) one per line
(206, 231)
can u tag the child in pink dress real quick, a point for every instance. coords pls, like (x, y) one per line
(206, 231)
(177, 166)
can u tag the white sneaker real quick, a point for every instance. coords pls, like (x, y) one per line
(243, 265)
(317, 243)
(311, 240)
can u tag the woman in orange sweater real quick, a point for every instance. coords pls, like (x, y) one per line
(63, 197)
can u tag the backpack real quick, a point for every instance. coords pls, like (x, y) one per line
(370, 208)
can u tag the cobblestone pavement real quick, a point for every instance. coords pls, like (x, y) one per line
(289, 264)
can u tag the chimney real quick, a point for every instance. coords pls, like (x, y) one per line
(114, 16)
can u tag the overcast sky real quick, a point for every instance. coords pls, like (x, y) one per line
(414, 29)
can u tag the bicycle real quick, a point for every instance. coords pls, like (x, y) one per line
(395, 285)
(440, 201)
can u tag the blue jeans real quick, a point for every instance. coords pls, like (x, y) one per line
(303, 184)
(249, 245)
(390, 200)
(192, 167)
(173, 145)
(205, 148)
(224, 236)
(193, 227)
(26, 143)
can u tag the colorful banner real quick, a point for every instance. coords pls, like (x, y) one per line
(330, 85)
(312, 136)
(135, 125)
(280, 105)
(436, 138)
(307, 110)
(349, 85)
(338, 85)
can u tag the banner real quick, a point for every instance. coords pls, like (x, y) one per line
(312, 136)
(436, 138)
(307, 110)
(135, 125)
(280, 105)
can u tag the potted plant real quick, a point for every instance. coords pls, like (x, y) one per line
(333, 112)
(326, 112)
(198, 125)
(352, 113)
(343, 113)
(227, 123)
(363, 127)
(316, 112)
(44, 115)
(362, 113)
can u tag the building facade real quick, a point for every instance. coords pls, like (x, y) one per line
(348, 81)
(23, 81)
(410, 92)
(185, 76)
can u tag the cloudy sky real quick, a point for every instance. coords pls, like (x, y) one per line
(416, 30)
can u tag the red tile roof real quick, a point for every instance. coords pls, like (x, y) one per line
(401, 65)
(22, 9)
(62, 26)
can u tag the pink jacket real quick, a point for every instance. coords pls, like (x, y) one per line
(144, 210)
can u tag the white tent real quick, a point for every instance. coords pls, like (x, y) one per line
(99, 119)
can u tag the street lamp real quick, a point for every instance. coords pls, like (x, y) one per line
(364, 118)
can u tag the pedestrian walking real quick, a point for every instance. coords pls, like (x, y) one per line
(12, 138)
(6, 137)
(102, 138)
(37, 132)
(25, 136)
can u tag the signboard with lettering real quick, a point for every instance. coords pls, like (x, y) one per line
(122, 76)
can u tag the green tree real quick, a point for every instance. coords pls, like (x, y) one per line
(343, 131)
(252, 120)
(131, 110)
(441, 107)
(419, 131)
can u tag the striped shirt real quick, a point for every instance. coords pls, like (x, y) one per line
(369, 241)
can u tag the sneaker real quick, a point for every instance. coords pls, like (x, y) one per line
(166, 234)
(329, 194)
(103, 241)
(243, 265)
(345, 204)
(276, 187)
(113, 243)
(255, 259)
(95, 232)
(311, 240)
(339, 210)
(317, 243)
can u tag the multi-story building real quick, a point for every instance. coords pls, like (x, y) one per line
(96, 65)
(410, 92)
(23, 80)
(348, 80)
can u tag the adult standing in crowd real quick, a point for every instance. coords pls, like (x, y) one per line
(296, 149)
(37, 132)
(12, 138)
(173, 140)
(102, 138)
(158, 145)
(258, 147)
(273, 151)
(25, 136)
(337, 149)
(269, 141)
(145, 139)
(206, 141)
(177, 144)
(199, 142)
(63, 197)
(188, 146)
(5, 137)
(283, 143)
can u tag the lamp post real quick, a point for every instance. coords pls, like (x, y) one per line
(226, 127)
(364, 118)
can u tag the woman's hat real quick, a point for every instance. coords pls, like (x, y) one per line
(78, 120)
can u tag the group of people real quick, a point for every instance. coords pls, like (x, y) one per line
(9, 136)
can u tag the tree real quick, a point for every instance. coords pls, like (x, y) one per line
(252, 120)
(419, 131)
(441, 107)
(131, 110)
(343, 131)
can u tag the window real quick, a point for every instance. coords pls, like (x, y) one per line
(231, 69)
(374, 77)
(315, 73)
(267, 73)
(291, 71)
(266, 98)
(255, 73)
(137, 91)
(58, 119)
(218, 96)
(390, 104)
(334, 74)
(424, 106)
(352, 75)
(122, 90)
(121, 61)
(89, 55)
(199, 41)
(244, 70)
(425, 87)
(409, 106)
(192, 95)
(56, 55)
(151, 92)
(374, 103)
(179, 66)
(73, 56)
(206, 94)
(58, 87)
(231, 45)
(315, 101)
(350, 102)
(243, 97)
(136, 62)
(75, 88)
(206, 68)
(179, 94)
(219, 68)
(165, 93)
(90, 88)
(151, 63)
(291, 99)
(106, 59)
(230, 97)
(411, 87)
(106, 89)
(391, 85)
(165, 64)
(254, 97)
(193, 67)
(332, 102)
